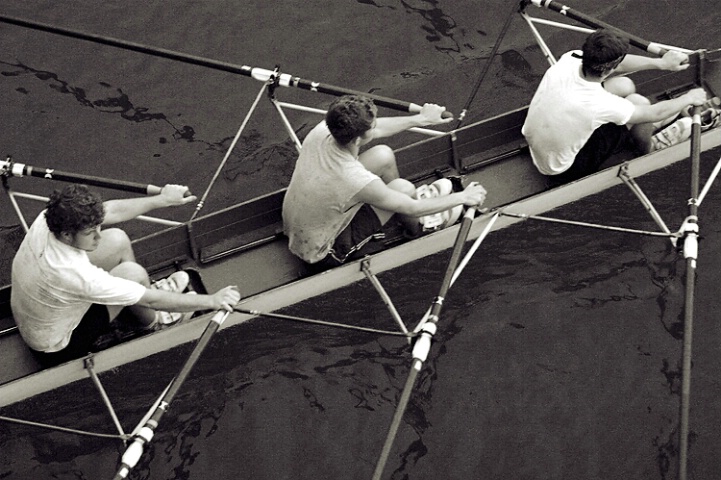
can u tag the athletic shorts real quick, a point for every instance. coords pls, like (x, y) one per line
(361, 237)
(95, 323)
(605, 141)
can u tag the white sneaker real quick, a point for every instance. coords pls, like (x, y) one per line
(438, 221)
(445, 187)
(177, 282)
(677, 132)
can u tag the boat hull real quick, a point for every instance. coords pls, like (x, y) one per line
(244, 245)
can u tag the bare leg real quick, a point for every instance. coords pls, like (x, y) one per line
(411, 224)
(621, 86)
(642, 132)
(382, 161)
(114, 249)
(136, 273)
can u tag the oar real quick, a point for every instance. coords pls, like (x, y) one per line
(636, 41)
(145, 434)
(423, 344)
(20, 169)
(282, 79)
(690, 252)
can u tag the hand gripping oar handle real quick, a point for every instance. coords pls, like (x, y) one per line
(145, 434)
(9, 167)
(636, 41)
(423, 344)
(254, 72)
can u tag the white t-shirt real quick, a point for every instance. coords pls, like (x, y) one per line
(565, 111)
(318, 203)
(54, 284)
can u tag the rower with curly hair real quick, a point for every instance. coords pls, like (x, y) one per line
(71, 278)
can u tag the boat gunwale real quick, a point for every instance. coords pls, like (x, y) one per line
(289, 294)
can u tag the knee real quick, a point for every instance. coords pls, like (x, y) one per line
(404, 186)
(621, 86)
(382, 161)
(384, 155)
(131, 271)
(115, 239)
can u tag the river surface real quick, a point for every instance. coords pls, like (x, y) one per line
(558, 353)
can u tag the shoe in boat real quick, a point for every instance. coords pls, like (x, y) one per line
(438, 221)
(177, 282)
(677, 132)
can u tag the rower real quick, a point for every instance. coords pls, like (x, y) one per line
(583, 110)
(339, 199)
(70, 279)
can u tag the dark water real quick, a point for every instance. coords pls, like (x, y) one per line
(559, 347)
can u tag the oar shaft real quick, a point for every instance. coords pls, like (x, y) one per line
(397, 418)
(595, 23)
(423, 344)
(145, 434)
(254, 72)
(690, 250)
(20, 170)
(136, 47)
(457, 250)
(290, 81)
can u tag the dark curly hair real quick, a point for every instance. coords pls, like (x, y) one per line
(350, 116)
(73, 209)
(603, 51)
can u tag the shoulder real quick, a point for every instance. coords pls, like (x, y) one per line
(319, 131)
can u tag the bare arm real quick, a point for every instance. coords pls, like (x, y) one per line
(430, 114)
(379, 195)
(662, 110)
(117, 211)
(672, 61)
(225, 298)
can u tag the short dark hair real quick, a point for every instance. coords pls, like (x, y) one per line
(73, 209)
(603, 50)
(350, 116)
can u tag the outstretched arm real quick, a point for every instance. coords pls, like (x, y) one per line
(672, 61)
(666, 108)
(117, 211)
(225, 298)
(379, 195)
(430, 114)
